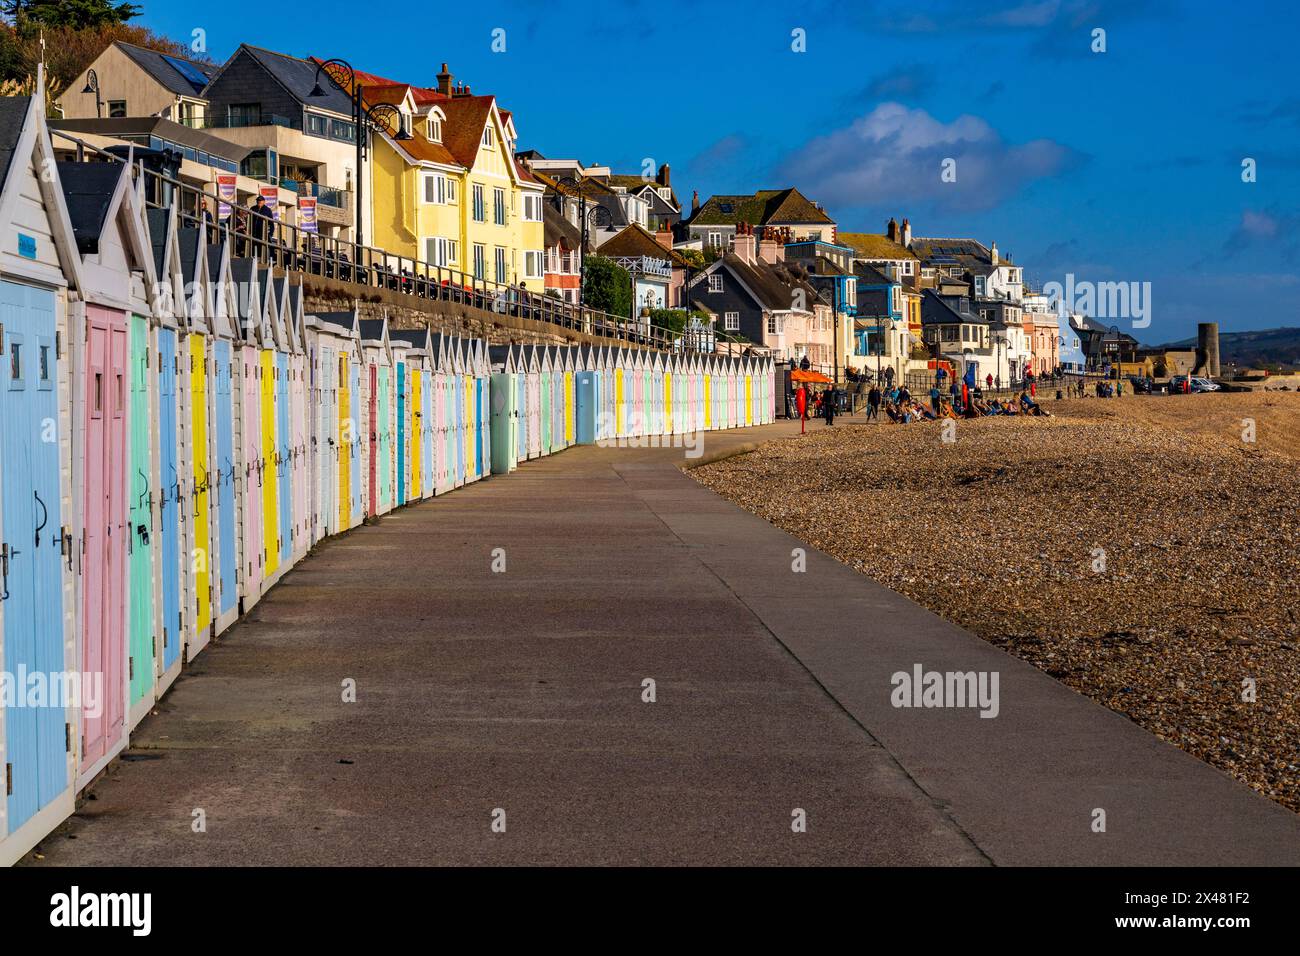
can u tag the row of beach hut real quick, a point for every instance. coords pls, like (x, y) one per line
(177, 431)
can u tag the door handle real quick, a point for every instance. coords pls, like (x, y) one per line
(45, 517)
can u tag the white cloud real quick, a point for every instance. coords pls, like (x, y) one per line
(896, 154)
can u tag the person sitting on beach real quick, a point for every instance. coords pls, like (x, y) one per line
(1032, 407)
(946, 410)
(892, 411)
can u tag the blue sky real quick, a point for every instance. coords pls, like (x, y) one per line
(1122, 165)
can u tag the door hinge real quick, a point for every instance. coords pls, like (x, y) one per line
(164, 637)
(9, 779)
(130, 668)
(67, 738)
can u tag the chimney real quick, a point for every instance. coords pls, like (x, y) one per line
(444, 81)
(891, 230)
(770, 247)
(907, 234)
(744, 248)
(466, 92)
(665, 238)
(663, 178)
(994, 251)
(695, 201)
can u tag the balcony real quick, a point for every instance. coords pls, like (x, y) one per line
(244, 121)
(325, 195)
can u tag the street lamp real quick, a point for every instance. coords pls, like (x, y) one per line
(363, 119)
(999, 340)
(601, 219)
(92, 86)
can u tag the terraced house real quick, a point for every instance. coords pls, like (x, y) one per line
(715, 223)
(445, 187)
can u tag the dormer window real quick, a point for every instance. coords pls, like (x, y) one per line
(434, 131)
(488, 138)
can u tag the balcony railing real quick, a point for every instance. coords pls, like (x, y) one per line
(290, 248)
(240, 122)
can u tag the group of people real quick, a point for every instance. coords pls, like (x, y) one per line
(899, 405)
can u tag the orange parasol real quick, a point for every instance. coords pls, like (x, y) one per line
(799, 375)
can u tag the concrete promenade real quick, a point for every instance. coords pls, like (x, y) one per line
(521, 690)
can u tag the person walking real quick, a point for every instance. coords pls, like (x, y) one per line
(873, 403)
(260, 222)
(828, 406)
(934, 398)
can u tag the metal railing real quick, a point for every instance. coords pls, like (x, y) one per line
(293, 249)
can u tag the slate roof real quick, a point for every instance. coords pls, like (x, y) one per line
(417, 337)
(951, 248)
(214, 259)
(371, 329)
(158, 221)
(634, 184)
(871, 245)
(765, 207)
(869, 275)
(13, 113)
(771, 284)
(298, 77)
(938, 311)
(88, 189)
(188, 238)
(156, 65)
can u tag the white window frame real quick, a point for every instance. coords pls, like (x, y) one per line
(731, 321)
(715, 282)
(533, 267)
(488, 139)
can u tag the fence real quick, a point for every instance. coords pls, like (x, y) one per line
(294, 249)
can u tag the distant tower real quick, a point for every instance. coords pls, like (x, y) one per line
(1207, 348)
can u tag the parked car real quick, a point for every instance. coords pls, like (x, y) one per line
(1198, 384)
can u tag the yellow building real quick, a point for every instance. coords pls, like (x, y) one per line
(448, 190)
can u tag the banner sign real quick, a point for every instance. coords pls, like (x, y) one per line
(272, 196)
(226, 193)
(307, 213)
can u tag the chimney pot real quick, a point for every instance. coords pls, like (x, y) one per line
(891, 229)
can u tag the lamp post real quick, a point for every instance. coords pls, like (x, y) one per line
(998, 340)
(602, 219)
(363, 119)
(92, 86)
